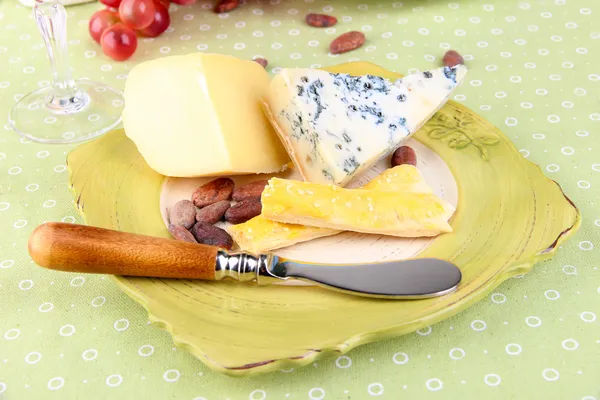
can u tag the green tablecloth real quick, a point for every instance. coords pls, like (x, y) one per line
(535, 72)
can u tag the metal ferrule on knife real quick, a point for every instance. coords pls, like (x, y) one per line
(246, 267)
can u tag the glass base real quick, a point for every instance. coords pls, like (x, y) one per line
(94, 110)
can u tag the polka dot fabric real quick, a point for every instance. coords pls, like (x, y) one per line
(533, 72)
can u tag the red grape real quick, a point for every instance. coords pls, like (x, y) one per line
(119, 42)
(137, 14)
(184, 2)
(111, 3)
(100, 21)
(160, 23)
(165, 3)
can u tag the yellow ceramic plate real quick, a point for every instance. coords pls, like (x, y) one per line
(509, 216)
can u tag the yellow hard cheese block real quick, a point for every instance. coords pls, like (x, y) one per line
(261, 234)
(201, 115)
(404, 214)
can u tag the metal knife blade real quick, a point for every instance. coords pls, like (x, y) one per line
(404, 279)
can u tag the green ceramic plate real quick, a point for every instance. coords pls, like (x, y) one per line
(509, 216)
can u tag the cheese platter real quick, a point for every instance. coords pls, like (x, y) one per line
(457, 191)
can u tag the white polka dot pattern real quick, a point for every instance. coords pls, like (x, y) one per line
(533, 73)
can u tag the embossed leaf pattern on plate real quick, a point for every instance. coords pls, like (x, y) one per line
(459, 131)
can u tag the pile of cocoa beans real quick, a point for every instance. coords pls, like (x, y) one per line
(194, 220)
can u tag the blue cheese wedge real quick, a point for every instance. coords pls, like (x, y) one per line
(334, 126)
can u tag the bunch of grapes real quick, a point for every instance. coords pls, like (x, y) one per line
(116, 28)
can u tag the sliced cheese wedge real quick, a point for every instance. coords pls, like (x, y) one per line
(261, 234)
(401, 214)
(334, 126)
(200, 115)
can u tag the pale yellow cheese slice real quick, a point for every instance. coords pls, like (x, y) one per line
(401, 178)
(403, 214)
(200, 115)
(261, 234)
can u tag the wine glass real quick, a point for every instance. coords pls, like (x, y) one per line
(66, 111)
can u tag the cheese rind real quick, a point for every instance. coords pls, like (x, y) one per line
(200, 115)
(261, 234)
(335, 126)
(358, 210)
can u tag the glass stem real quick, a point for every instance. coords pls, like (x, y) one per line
(51, 19)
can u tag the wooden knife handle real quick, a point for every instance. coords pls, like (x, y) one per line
(79, 248)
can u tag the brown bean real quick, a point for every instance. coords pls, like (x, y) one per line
(252, 189)
(213, 213)
(321, 20)
(452, 58)
(404, 155)
(224, 6)
(212, 192)
(347, 42)
(183, 213)
(180, 233)
(212, 235)
(261, 61)
(244, 210)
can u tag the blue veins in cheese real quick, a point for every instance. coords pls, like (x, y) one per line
(335, 126)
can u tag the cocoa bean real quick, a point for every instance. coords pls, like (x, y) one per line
(321, 20)
(213, 213)
(243, 211)
(212, 192)
(252, 189)
(180, 233)
(183, 213)
(224, 6)
(404, 155)
(347, 42)
(261, 61)
(212, 235)
(452, 58)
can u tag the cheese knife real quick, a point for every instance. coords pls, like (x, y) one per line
(86, 249)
